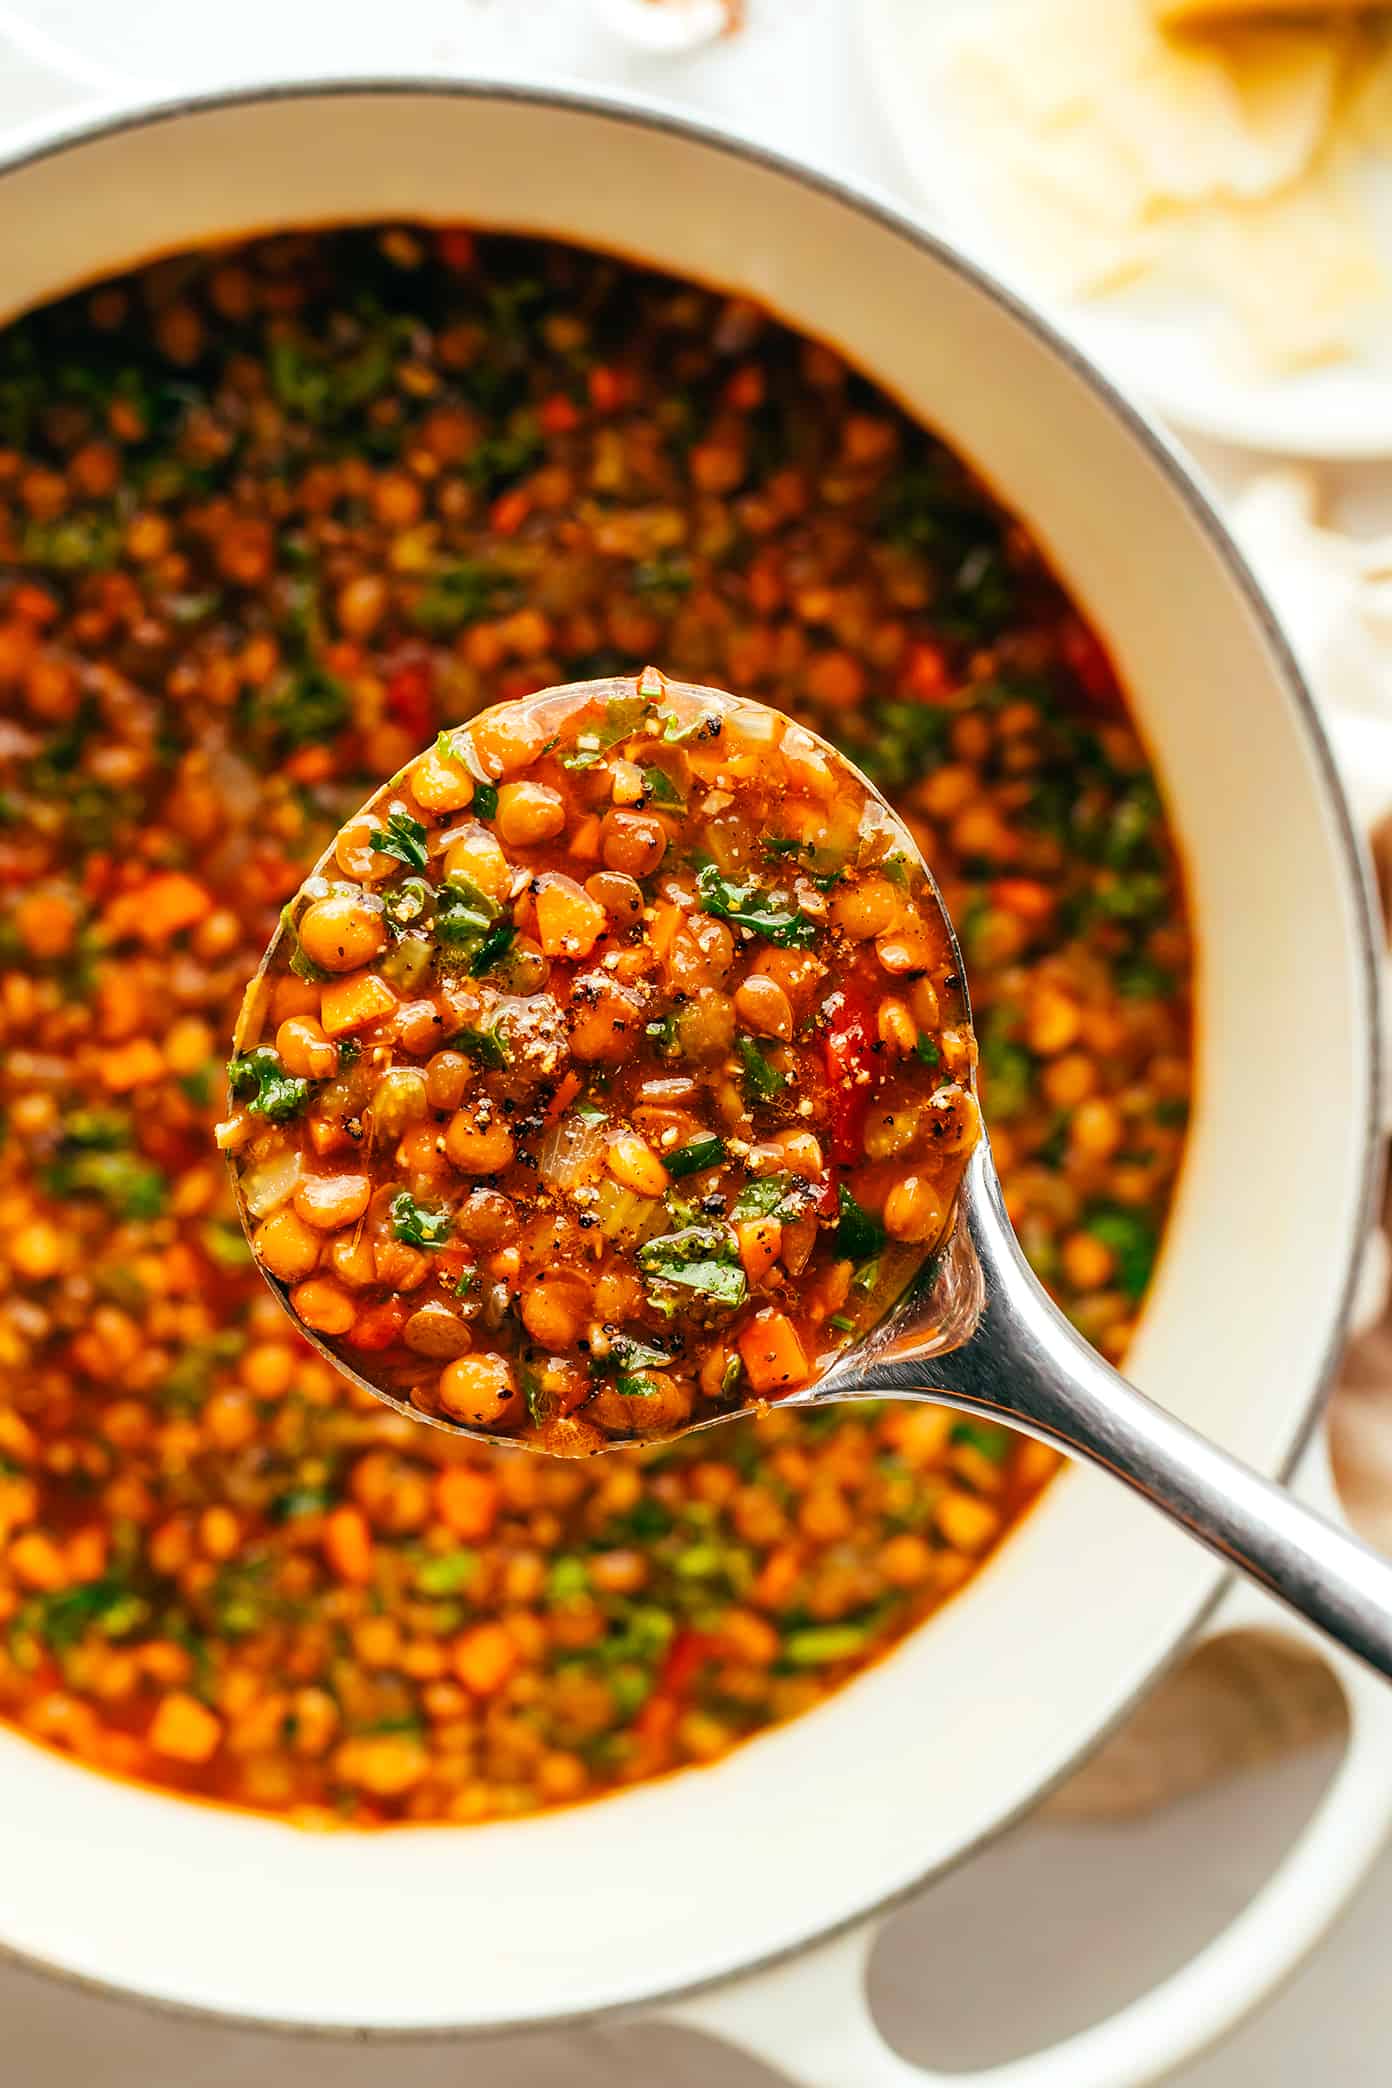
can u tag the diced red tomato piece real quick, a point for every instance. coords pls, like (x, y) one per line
(379, 1326)
(927, 678)
(558, 414)
(411, 698)
(609, 388)
(456, 249)
(1090, 663)
(854, 1071)
(510, 510)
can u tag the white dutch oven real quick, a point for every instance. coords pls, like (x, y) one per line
(663, 1898)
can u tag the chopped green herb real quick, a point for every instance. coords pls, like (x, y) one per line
(417, 1224)
(984, 1436)
(493, 949)
(746, 906)
(636, 1385)
(463, 914)
(500, 460)
(822, 1645)
(699, 1153)
(486, 800)
(1133, 1241)
(72, 543)
(859, 1235)
(664, 1035)
(633, 1354)
(1139, 979)
(466, 1283)
(709, 725)
(622, 717)
(663, 575)
(447, 1573)
(698, 1258)
(261, 1081)
(409, 903)
(303, 708)
(302, 1500)
(662, 790)
(226, 1245)
(1007, 1071)
(762, 1080)
(129, 1187)
(404, 838)
(927, 1051)
(1173, 1111)
(456, 595)
(842, 1322)
(486, 1047)
(781, 1196)
(62, 1619)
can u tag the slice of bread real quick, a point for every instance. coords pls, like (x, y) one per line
(1174, 14)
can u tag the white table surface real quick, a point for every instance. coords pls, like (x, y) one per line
(1056, 1924)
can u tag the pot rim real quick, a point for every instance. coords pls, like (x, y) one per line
(48, 137)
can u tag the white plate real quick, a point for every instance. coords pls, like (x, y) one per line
(1158, 345)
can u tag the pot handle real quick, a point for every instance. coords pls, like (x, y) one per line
(808, 2017)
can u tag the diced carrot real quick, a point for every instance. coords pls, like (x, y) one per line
(158, 909)
(773, 1355)
(327, 1135)
(33, 604)
(380, 1325)
(510, 510)
(584, 842)
(484, 1658)
(558, 414)
(353, 1002)
(667, 919)
(46, 922)
(760, 1240)
(185, 1730)
(569, 921)
(310, 765)
(132, 1065)
(565, 1094)
(609, 388)
(348, 1545)
(777, 1578)
(926, 675)
(1025, 897)
(466, 1501)
(36, 1561)
(745, 389)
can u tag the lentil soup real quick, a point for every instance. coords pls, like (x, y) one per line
(269, 518)
(581, 1162)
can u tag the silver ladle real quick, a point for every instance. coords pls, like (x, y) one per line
(977, 1331)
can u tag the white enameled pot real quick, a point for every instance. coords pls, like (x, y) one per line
(668, 1898)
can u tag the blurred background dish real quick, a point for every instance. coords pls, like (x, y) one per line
(1210, 217)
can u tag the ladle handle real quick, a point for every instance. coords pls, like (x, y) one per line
(1027, 1366)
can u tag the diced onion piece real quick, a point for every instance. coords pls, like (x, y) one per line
(626, 1217)
(572, 1152)
(272, 1182)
